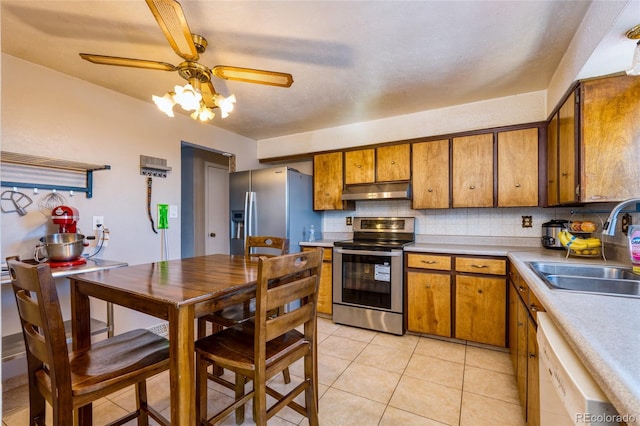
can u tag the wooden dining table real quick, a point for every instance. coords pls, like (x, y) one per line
(177, 291)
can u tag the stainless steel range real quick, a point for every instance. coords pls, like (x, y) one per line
(367, 274)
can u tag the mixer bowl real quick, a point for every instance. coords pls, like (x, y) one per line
(63, 247)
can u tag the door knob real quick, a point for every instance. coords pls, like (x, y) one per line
(212, 234)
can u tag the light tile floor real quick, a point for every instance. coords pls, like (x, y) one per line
(366, 378)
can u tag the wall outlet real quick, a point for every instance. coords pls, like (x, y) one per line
(527, 222)
(349, 221)
(625, 222)
(98, 222)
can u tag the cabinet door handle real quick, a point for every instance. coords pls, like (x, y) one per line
(480, 291)
(358, 165)
(517, 185)
(428, 285)
(522, 289)
(534, 308)
(532, 355)
(429, 262)
(472, 187)
(430, 190)
(565, 174)
(479, 266)
(393, 162)
(212, 234)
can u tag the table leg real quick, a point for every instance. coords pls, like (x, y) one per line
(182, 368)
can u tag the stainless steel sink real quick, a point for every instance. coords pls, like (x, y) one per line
(597, 279)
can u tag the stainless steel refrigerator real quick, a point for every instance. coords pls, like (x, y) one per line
(276, 201)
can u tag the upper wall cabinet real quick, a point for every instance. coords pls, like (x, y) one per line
(328, 183)
(593, 143)
(518, 168)
(393, 163)
(472, 168)
(610, 142)
(360, 166)
(431, 168)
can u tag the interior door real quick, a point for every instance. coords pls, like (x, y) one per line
(216, 209)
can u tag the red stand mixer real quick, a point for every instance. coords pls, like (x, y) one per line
(66, 218)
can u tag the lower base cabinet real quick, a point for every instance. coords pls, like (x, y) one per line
(464, 297)
(480, 309)
(325, 289)
(429, 302)
(523, 345)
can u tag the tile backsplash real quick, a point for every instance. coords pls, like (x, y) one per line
(505, 222)
(493, 222)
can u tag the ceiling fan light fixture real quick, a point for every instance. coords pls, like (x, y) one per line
(203, 113)
(225, 104)
(165, 103)
(188, 97)
(635, 63)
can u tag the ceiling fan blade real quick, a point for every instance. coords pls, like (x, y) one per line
(250, 75)
(174, 25)
(207, 91)
(127, 62)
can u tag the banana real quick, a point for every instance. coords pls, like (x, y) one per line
(567, 239)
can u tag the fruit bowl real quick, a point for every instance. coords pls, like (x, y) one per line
(582, 247)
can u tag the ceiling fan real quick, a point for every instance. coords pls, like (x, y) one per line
(199, 94)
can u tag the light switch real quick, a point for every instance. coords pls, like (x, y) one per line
(173, 212)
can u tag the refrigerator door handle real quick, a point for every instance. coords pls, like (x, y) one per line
(249, 220)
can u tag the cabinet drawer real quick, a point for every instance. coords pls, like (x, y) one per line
(478, 265)
(429, 261)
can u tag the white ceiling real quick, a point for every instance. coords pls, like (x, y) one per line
(351, 61)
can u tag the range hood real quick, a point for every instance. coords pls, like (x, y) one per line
(378, 191)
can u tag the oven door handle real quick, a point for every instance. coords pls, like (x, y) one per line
(395, 253)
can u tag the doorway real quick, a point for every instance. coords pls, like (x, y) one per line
(194, 225)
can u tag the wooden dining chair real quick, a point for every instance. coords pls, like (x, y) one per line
(258, 350)
(70, 380)
(262, 246)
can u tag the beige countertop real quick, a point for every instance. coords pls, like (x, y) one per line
(604, 331)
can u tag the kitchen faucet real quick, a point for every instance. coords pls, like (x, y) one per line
(609, 227)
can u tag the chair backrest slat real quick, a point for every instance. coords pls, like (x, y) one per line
(297, 277)
(272, 246)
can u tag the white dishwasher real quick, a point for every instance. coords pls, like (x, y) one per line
(568, 393)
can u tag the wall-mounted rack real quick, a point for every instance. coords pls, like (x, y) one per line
(51, 163)
(154, 167)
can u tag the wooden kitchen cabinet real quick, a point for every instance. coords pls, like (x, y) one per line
(518, 168)
(328, 182)
(523, 345)
(481, 309)
(359, 166)
(567, 152)
(325, 288)
(468, 301)
(533, 375)
(598, 140)
(430, 177)
(472, 170)
(429, 303)
(610, 138)
(481, 300)
(552, 161)
(393, 163)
